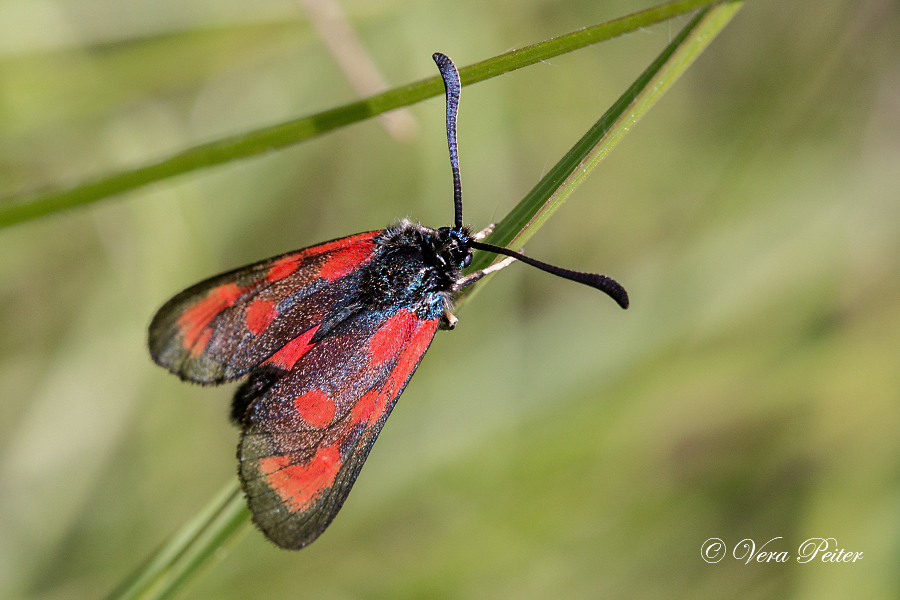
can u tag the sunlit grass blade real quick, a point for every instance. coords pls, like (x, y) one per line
(189, 550)
(184, 556)
(30, 206)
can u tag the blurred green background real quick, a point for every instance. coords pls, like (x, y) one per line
(551, 446)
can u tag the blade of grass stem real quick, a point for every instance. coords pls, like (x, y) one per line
(31, 206)
(190, 550)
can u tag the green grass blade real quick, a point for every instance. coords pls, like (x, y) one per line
(190, 550)
(550, 192)
(31, 206)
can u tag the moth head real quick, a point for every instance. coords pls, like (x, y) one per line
(456, 246)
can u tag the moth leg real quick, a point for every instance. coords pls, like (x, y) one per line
(473, 277)
(448, 320)
(484, 232)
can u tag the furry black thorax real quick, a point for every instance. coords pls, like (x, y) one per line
(416, 265)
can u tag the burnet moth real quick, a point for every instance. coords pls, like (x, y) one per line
(327, 338)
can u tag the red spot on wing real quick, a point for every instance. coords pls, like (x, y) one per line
(392, 337)
(201, 342)
(346, 260)
(260, 315)
(418, 343)
(194, 322)
(283, 267)
(293, 351)
(414, 338)
(315, 407)
(286, 265)
(298, 485)
(364, 408)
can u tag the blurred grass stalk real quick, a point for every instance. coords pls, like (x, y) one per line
(186, 553)
(31, 206)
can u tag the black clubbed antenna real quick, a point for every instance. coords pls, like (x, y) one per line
(607, 285)
(452, 86)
